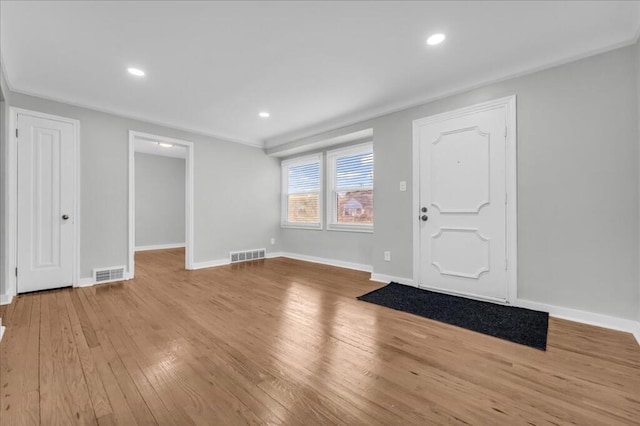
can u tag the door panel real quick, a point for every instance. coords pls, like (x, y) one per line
(463, 187)
(46, 241)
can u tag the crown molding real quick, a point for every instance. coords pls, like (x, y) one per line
(148, 120)
(339, 123)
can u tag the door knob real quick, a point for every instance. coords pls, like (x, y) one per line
(65, 217)
(424, 218)
(424, 209)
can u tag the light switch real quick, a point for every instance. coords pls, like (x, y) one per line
(403, 185)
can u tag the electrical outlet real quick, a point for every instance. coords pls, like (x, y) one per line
(273, 241)
(387, 256)
(403, 185)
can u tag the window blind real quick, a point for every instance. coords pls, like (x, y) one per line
(354, 171)
(304, 178)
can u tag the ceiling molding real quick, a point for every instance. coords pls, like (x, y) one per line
(253, 144)
(312, 131)
(360, 136)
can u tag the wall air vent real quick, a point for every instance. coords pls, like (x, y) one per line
(108, 274)
(247, 255)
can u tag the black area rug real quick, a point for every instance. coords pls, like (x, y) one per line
(518, 325)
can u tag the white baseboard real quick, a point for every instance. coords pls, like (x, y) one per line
(636, 332)
(89, 281)
(275, 254)
(584, 317)
(330, 262)
(160, 247)
(222, 262)
(303, 257)
(5, 299)
(382, 278)
(210, 264)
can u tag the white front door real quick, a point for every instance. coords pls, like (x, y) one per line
(463, 187)
(46, 237)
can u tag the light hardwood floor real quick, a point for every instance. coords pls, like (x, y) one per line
(285, 342)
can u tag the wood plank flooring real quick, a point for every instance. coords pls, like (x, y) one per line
(285, 342)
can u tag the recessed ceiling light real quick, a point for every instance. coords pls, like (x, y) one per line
(435, 39)
(136, 71)
(165, 145)
(264, 114)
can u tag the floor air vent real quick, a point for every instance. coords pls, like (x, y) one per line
(244, 256)
(108, 274)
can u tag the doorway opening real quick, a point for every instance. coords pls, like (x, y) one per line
(160, 196)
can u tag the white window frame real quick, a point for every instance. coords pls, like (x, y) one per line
(284, 207)
(332, 214)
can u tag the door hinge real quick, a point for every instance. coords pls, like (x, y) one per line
(506, 129)
(16, 133)
(16, 272)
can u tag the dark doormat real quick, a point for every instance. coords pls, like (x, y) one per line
(518, 325)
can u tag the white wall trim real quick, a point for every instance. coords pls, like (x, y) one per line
(382, 278)
(636, 331)
(275, 254)
(11, 197)
(90, 281)
(6, 299)
(353, 120)
(509, 103)
(160, 247)
(303, 257)
(227, 261)
(584, 317)
(211, 263)
(189, 198)
(145, 119)
(330, 262)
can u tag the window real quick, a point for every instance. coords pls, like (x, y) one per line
(350, 189)
(302, 192)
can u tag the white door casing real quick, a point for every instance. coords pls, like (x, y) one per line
(464, 176)
(46, 202)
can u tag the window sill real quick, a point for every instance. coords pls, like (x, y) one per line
(367, 229)
(310, 226)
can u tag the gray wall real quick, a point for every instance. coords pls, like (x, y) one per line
(578, 198)
(160, 200)
(353, 247)
(236, 188)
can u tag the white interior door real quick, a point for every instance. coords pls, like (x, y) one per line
(463, 245)
(46, 237)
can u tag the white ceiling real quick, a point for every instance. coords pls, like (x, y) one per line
(212, 66)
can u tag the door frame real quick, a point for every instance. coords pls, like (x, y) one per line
(133, 135)
(509, 103)
(11, 221)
